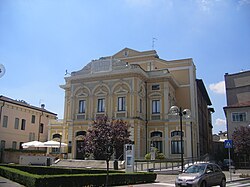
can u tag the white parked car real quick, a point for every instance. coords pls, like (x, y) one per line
(201, 175)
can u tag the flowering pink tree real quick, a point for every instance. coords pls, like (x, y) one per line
(241, 140)
(103, 133)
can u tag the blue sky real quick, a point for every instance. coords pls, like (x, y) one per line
(40, 39)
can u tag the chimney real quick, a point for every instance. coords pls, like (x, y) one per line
(42, 106)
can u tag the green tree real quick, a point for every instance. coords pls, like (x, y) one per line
(103, 133)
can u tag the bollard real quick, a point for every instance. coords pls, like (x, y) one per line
(115, 164)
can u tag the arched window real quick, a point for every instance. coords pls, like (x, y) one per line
(83, 133)
(56, 136)
(176, 143)
(156, 140)
(156, 134)
(176, 133)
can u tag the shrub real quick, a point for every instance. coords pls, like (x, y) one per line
(33, 176)
(158, 155)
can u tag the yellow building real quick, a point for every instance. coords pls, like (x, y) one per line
(140, 88)
(22, 122)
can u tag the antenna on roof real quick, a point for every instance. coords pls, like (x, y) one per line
(153, 42)
(2, 70)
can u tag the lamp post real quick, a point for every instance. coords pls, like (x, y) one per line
(109, 152)
(174, 110)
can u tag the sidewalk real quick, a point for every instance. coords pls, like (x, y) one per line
(8, 183)
(162, 177)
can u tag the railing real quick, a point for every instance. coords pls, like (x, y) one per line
(165, 164)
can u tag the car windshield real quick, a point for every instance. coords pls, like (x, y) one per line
(195, 169)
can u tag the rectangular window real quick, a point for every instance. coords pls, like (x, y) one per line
(156, 87)
(16, 125)
(101, 105)
(20, 145)
(140, 105)
(238, 116)
(5, 121)
(23, 124)
(82, 105)
(155, 106)
(176, 147)
(31, 136)
(2, 145)
(41, 128)
(121, 103)
(33, 119)
(14, 145)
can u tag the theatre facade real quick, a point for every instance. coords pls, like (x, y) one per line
(140, 88)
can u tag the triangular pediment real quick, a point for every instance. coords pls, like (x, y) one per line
(126, 52)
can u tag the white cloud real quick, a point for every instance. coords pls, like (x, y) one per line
(220, 122)
(218, 88)
(204, 4)
(244, 2)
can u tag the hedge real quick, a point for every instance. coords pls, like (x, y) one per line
(21, 176)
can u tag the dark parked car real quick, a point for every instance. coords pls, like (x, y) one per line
(201, 175)
(225, 164)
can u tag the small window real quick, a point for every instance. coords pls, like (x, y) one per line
(156, 134)
(2, 145)
(238, 116)
(41, 128)
(56, 136)
(14, 143)
(140, 105)
(82, 106)
(23, 124)
(176, 147)
(20, 145)
(16, 125)
(5, 121)
(121, 103)
(83, 133)
(176, 133)
(155, 106)
(125, 53)
(33, 119)
(156, 87)
(101, 105)
(31, 136)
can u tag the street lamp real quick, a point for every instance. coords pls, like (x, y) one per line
(109, 152)
(174, 110)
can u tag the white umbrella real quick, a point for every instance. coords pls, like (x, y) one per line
(32, 144)
(52, 143)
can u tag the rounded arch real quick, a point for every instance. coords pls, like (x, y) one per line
(157, 134)
(82, 91)
(176, 133)
(79, 135)
(56, 136)
(156, 138)
(101, 89)
(121, 86)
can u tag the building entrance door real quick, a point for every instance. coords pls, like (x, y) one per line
(80, 153)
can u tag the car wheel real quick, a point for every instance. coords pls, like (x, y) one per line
(223, 183)
(203, 184)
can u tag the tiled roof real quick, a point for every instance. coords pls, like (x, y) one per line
(24, 104)
(238, 105)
